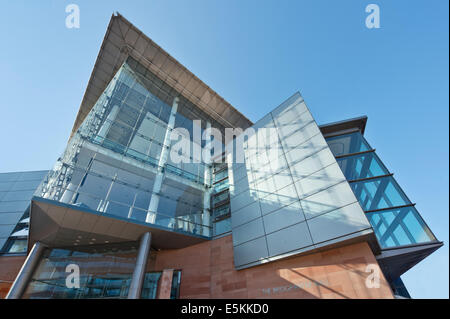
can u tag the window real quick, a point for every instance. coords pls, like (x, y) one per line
(379, 193)
(399, 227)
(362, 166)
(17, 246)
(347, 144)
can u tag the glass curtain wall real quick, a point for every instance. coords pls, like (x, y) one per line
(16, 191)
(221, 199)
(111, 163)
(394, 218)
(105, 273)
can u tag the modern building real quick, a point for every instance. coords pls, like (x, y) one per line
(153, 198)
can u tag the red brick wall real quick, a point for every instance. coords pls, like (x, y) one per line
(9, 268)
(208, 272)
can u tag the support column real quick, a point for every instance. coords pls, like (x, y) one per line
(206, 216)
(25, 273)
(154, 201)
(139, 269)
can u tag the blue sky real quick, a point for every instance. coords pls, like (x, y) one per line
(255, 54)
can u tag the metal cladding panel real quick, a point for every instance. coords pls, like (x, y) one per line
(289, 195)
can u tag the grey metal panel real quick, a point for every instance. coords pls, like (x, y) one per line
(10, 218)
(319, 181)
(312, 164)
(294, 102)
(5, 230)
(241, 200)
(292, 125)
(284, 217)
(299, 137)
(247, 232)
(246, 214)
(328, 200)
(240, 172)
(242, 185)
(251, 251)
(300, 187)
(2, 242)
(16, 206)
(266, 121)
(338, 223)
(308, 148)
(287, 239)
(278, 199)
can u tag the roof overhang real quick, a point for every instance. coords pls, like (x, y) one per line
(396, 261)
(60, 225)
(357, 124)
(123, 39)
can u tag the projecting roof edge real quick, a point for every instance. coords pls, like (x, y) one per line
(123, 39)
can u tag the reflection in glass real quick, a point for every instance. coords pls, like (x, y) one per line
(362, 166)
(150, 285)
(105, 272)
(347, 144)
(399, 227)
(379, 193)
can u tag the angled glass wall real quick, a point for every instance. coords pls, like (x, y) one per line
(393, 216)
(119, 162)
(16, 190)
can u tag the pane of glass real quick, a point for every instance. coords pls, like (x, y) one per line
(221, 210)
(221, 186)
(220, 175)
(379, 193)
(399, 227)
(220, 197)
(176, 279)
(122, 193)
(95, 186)
(117, 209)
(347, 144)
(18, 246)
(362, 166)
(150, 285)
(105, 272)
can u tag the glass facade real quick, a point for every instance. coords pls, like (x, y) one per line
(105, 273)
(122, 147)
(392, 215)
(221, 199)
(16, 190)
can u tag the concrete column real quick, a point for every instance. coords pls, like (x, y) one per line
(154, 201)
(139, 269)
(25, 273)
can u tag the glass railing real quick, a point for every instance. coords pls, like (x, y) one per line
(115, 147)
(189, 223)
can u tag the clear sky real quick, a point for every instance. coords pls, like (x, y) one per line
(255, 54)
